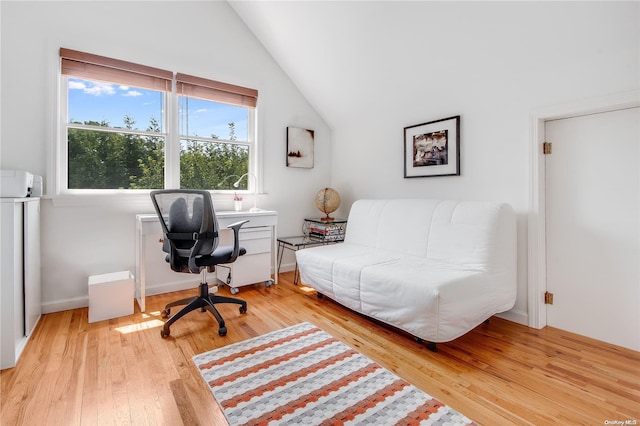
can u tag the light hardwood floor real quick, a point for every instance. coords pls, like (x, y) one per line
(122, 372)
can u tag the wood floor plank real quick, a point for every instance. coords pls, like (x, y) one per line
(121, 371)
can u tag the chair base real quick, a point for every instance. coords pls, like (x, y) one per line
(205, 301)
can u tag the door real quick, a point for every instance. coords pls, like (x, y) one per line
(593, 225)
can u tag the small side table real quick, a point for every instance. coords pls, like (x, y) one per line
(328, 231)
(295, 244)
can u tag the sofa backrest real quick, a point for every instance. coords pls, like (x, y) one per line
(471, 234)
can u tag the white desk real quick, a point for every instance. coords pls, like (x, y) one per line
(258, 236)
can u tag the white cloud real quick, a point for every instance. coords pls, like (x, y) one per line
(73, 84)
(101, 89)
(201, 110)
(123, 87)
(132, 93)
(95, 89)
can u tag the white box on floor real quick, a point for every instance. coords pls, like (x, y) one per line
(110, 295)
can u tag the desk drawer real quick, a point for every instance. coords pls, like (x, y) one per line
(255, 233)
(248, 269)
(254, 240)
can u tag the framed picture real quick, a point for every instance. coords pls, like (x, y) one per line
(299, 147)
(433, 148)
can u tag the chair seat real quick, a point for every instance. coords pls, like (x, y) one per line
(222, 254)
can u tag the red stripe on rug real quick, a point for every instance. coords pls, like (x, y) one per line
(260, 348)
(304, 400)
(269, 363)
(283, 381)
(371, 401)
(422, 412)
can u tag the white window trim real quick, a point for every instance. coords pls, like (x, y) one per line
(57, 156)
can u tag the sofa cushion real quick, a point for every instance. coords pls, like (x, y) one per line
(448, 298)
(460, 232)
(401, 225)
(464, 233)
(336, 269)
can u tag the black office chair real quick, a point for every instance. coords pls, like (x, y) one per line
(190, 229)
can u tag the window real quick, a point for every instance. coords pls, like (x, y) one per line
(215, 137)
(127, 126)
(115, 136)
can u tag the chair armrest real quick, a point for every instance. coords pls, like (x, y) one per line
(194, 262)
(236, 240)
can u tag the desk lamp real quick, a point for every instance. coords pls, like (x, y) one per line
(255, 193)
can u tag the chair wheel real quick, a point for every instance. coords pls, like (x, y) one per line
(165, 313)
(222, 331)
(243, 309)
(164, 333)
(234, 290)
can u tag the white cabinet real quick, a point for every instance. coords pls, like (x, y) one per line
(255, 265)
(20, 291)
(258, 236)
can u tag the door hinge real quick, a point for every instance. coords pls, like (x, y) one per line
(546, 148)
(548, 298)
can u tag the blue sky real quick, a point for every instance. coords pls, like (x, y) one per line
(96, 101)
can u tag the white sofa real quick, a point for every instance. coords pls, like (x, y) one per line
(434, 268)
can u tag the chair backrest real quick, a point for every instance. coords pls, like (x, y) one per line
(188, 222)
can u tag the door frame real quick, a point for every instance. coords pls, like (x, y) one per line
(536, 227)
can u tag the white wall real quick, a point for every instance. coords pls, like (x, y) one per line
(372, 68)
(501, 61)
(96, 235)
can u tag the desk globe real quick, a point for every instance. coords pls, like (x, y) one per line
(327, 201)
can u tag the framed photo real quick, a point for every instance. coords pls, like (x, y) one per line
(433, 148)
(300, 147)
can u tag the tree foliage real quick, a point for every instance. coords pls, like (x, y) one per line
(110, 160)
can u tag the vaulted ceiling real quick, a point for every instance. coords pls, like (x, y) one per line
(344, 55)
(369, 58)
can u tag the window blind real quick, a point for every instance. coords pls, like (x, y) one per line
(94, 67)
(197, 87)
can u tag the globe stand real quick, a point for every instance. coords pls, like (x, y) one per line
(327, 218)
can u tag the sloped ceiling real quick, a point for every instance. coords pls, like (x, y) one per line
(340, 53)
(363, 60)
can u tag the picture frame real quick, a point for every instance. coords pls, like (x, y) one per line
(432, 148)
(300, 147)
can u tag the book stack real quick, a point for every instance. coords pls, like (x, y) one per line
(327, 231)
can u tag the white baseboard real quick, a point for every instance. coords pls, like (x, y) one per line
(65, 304)
(516, 316)
(83, 301)
(286, 267)
(177, 286)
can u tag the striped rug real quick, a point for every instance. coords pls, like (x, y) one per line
(302, 375)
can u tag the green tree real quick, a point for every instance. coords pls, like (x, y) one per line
(209, 164)
(86, 167)
(151, 160)
(111, 160)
